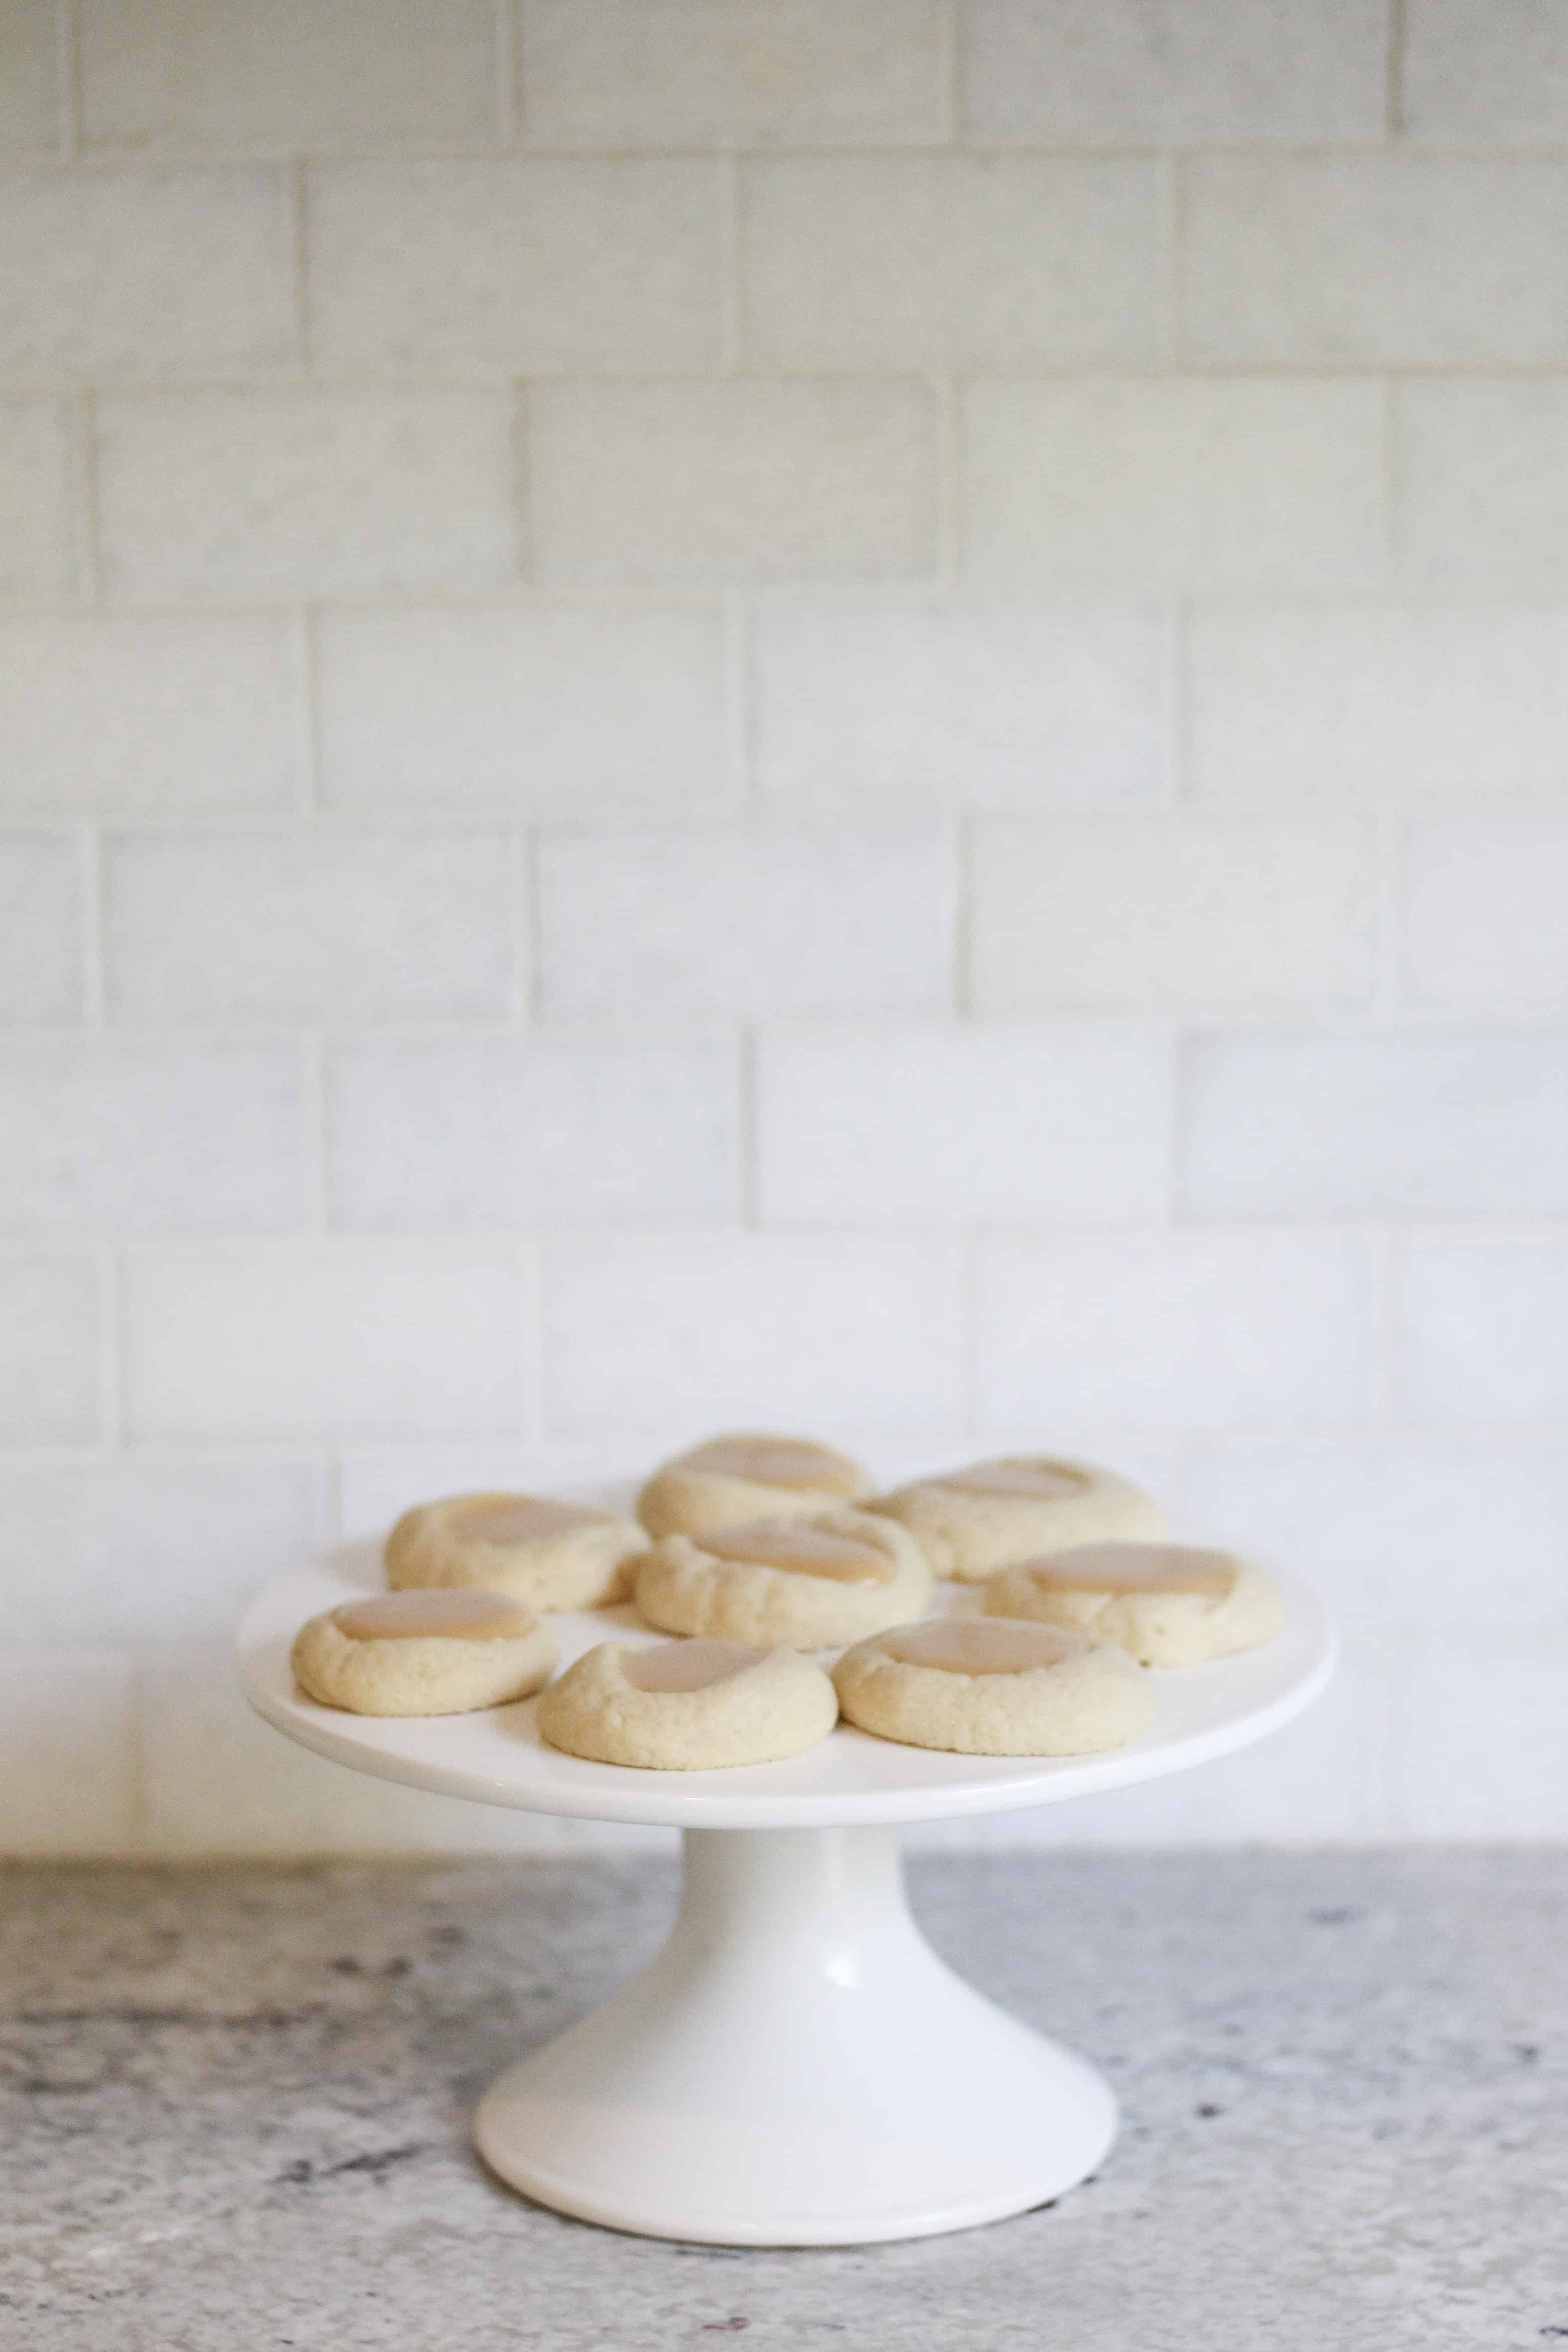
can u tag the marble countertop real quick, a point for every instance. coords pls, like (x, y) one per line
(236, 2108)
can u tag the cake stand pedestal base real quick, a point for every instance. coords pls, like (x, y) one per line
(797, 2068)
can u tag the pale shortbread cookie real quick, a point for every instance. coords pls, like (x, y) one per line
(811, 1584)
(423, 1653)
(971, 1522)
(732, 1479)
(550, 1555)
(981, 1687)
(688, 1706)
(1164, 1604)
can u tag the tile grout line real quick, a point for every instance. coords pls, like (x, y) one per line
(239, 154)
(1395, 90)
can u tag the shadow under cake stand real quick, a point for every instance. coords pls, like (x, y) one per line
(796, 2068)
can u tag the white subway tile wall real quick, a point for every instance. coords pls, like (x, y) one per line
(542, 267)
(304, 491)
(1183, 484)
(117, 275)
(88, 1541)
(468, 1137)
(310, 924)
(954, 1126)
(1007, 706)
(42, 498)
(112, 1137)
(850, 713)
(51, 1347)
(729, 73)
(850, 1332)
(316, 1338)
(1173, 914)
(1151, 70)
(748, 923)
(735, 478)
(954, 261)
(556, 712)
(198, 714)
(41, 936)
(1378, 705)
(1184, 1331)
(1372, 260)
(29, 88)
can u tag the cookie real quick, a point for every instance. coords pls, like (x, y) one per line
(811, 1584)
(732, 1479)
(971, 1522)
(546, 1554)
(423, 1653)
(688, 1706)
(981, 1687)
(1164, 1604)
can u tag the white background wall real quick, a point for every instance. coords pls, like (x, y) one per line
(851, 712)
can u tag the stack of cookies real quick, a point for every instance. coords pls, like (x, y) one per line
(762, 1553)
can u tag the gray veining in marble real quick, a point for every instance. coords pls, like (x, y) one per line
(236, 2101)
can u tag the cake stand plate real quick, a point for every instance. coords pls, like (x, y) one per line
(796, 2067)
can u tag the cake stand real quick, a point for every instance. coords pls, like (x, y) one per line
(796, 2068)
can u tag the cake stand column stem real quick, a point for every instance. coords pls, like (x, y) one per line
(765, 1905)
(796, 2067)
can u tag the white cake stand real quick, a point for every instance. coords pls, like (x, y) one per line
(797, 2068)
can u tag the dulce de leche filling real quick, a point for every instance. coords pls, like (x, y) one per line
(523, 1518)
(980, 1645)
(462, 1615)
(803, 1549)
(686, 1666)
(1134, 1568)
(1033, 1481)
(773, 1461)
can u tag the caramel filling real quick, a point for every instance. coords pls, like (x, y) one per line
(464, 1615)
(774, 1462)
(982, 1645)
(1046, 1482)
(525, 1518)
(803, 1549)
(686, 1666)
(1133, 1568)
